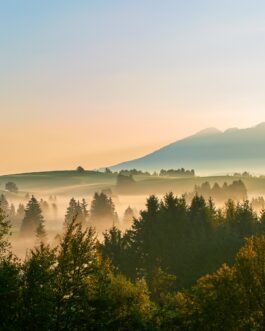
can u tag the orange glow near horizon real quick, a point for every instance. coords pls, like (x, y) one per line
(97, 83)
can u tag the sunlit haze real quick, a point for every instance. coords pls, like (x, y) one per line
(96, 83)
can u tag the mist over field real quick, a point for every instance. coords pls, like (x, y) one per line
(132, 170)
(54, 190)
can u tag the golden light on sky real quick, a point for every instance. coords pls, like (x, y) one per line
(97, 84)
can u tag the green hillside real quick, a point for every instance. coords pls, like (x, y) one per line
(73, 183)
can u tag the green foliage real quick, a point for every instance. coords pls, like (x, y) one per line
(187, 241)
(38, 289)
(84, 285)
(230, 299)
(10, 293)
(4, 233)
(70, 287)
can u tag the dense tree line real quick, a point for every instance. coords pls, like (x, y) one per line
(232, 298)
(68, 287)
(181, 172)
(185, 240)
(15, 215)
(101, 213)
(179, 267)
(235, 191)
(125, 182)
(134, 172)
(177, 172)
(11, 187)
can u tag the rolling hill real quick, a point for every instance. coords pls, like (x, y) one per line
(209, 151)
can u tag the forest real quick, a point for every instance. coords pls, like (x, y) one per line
(132, 173)
(177, 266)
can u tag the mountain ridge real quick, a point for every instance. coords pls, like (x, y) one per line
(208, 150)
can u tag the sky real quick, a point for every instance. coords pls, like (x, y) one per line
(94, 83)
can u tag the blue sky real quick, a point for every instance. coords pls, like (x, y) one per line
(76, 72)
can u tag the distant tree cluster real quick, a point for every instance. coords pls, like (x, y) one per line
(102, 213)
(243, 174)
(258, 204)
(236, 191)
(177, 173)
(11, 187)
(13, 214)
(77, 210)
(134, 172)
(128, 172)
(16, 214)
(125, 183)
(33, 221)
(170, 172)
(102, 210)
(129, 215)
(80, 169)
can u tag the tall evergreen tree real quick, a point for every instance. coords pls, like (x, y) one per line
(103, 210)
(4, 205)
(71, 212)
(128, 215)
(20, 212)
(76, 211)
(33, 218)
(84, 210)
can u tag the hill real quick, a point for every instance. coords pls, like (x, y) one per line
(72, 183)
(209, 151)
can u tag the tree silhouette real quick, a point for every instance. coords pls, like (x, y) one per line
(33, 218)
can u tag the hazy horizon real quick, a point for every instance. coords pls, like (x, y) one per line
(100, 83)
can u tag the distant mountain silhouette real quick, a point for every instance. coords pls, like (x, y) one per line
(209, 150)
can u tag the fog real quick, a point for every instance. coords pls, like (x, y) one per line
(54, 224)
(53, 190)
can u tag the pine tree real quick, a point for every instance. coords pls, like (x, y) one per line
(4, 204)
(84, 209)
(4, 232)
(40, 232)
(76, 211)
(128, 215)
(20, 212)
(71, 212)
(12, 213)
(103, 209)
(33, 218)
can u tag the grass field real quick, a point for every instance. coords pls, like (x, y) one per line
(67, 184)
(73, 183)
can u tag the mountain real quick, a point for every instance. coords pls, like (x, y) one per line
(209, 150)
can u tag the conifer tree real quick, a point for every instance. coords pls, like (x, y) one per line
(4, 205)
(128, 215)
(71, 211)
(84, 209)
(103, 209)
(20, 212)
(33, 218)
